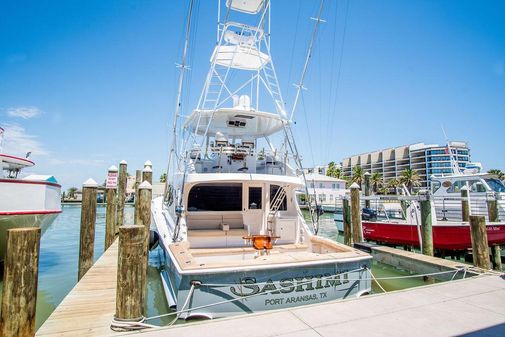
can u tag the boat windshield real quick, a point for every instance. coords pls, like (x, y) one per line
(495, 185)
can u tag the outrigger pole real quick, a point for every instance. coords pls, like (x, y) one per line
(182, 66)
(299, 86)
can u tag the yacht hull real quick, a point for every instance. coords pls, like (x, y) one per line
(449, 236)
(240, 292)
(27, 203)
(42, 220)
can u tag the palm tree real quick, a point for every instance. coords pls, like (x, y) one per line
(357, 175)
(163, 178)
(376, 181)
(71, 192)
(498, 173)
(410, 178)
(392, 184)
(333, 170)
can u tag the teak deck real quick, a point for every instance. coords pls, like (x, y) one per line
(89, 307)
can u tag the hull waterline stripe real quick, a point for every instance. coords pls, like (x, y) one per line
(19, 181)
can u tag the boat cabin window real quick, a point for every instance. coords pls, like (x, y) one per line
(475, 186)
(255, 198)
(435, 185)
(495, 185)
(273, 191)
(213, 197)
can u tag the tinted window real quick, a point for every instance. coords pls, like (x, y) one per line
(496, 185)
(212, 197)
(254, 198)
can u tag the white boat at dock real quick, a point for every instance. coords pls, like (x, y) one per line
(31, 201)
(234, 238)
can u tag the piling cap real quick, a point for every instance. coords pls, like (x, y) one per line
(89, 183)
(368, 173)
(122, 162)
(148, 163)
(145, 186)
(354, 185)
(147, 169)
(113, 168)
(464, 188)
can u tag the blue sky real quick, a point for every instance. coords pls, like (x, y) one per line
(84, 84)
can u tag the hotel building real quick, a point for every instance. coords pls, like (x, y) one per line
(426, 159)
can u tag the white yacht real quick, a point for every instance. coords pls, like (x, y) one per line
(234, 238)
(31, 201)
(481, 186)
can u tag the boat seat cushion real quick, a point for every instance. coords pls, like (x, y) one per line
(206, 221)
(216, 238)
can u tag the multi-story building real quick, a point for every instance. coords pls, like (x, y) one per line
(426, 159)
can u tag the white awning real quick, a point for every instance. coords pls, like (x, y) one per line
(245, 6)
(240, 57)
(235, 122)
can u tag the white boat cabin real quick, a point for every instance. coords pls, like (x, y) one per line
(222, 209)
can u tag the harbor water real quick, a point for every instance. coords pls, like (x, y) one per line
(59, 259)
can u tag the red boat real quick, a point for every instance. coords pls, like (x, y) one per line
(446, 235)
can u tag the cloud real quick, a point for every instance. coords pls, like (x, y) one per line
(25, 112)
(18, 142)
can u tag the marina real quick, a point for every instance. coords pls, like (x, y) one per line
(245, 233)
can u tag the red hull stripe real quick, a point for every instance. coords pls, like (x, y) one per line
(19, 181)
(444, 237)
(18, 158)
(30, 212)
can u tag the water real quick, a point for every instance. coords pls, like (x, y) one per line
(59, 260)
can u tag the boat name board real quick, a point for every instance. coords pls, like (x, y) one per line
(248, 286)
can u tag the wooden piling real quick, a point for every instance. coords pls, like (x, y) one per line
(129, 292)
(465, 206)
(88, 220)
(367, 188)
(346, 218)
(496, 255)
(121, 194)
(357, 233)
(492, 207)
(144, 219)
(111, 208)
(480, 250)
(138, 180)
(426, 223)
(492, 212)
(19, 294)
(147, 174)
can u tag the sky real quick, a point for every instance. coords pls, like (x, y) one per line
(85, 84)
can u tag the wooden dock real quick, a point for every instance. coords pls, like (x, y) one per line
(89, 307)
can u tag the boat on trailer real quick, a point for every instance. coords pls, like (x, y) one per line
(31, 201)
(234, 238)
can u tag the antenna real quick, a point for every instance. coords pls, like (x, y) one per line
(454, 163)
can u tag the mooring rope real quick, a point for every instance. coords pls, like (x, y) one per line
(141, 325)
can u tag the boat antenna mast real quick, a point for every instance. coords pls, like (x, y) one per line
(287, 127)
(178, 102)
(454, 162)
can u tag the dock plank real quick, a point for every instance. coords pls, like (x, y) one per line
(89, 307)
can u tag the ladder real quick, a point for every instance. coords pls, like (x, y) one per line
(272, 85)
(277, 201)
